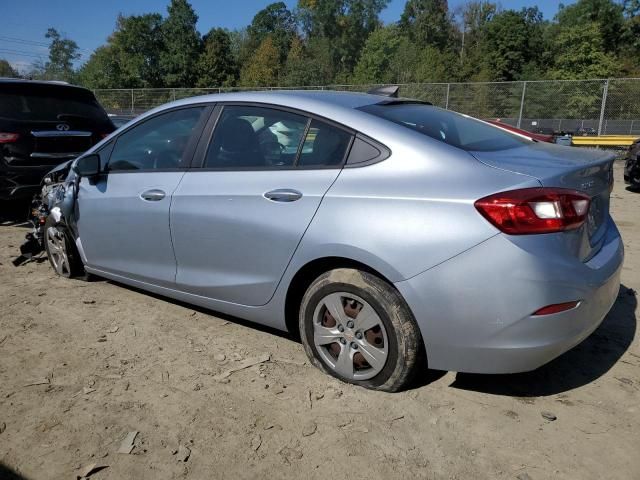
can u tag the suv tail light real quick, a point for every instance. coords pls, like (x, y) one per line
(535, 210)
(8, 137)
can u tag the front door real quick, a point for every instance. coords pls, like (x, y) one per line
(123, 217)
(237, 222)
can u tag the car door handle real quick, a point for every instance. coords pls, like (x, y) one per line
(283, 195)
(152, 195)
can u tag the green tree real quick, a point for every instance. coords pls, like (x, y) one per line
(579, 53)
(389, 57)
(216, 65)
(378, 54)
(240, 45)
(346, 24)
(428, 22)
(102, 70)
(181, 45)
(6, 70)
(276, 21)
(309, 63)
(296, 72)
(262, 68)
(509, 43)
(605, 14)
(630, 57)
(430, 64)
(130, 58)
(475, 17)
(62, 53)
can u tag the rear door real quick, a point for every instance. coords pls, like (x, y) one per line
(237, 221)
(123, 217)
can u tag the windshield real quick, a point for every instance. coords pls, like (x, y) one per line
(50, 105)
(446, 126)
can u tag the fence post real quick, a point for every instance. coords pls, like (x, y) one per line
(605, 91)
(446, 102)
(524, 90)
(132, 109)
(173, 94)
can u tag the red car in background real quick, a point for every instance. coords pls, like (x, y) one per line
(535, 136)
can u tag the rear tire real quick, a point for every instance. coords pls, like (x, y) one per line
(358, 328)
(61, 251)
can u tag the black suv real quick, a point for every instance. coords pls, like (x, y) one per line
(43, 124)
(632, 165)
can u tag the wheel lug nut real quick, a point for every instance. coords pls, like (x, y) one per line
(343, 341)
(350, 324)
(354, 345)
(340, 328)
(359, 335)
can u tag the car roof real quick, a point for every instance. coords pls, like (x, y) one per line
(336, 105)
(44, 83)
(294, 98)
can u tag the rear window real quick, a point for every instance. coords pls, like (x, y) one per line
(446, 126)
(50, 104)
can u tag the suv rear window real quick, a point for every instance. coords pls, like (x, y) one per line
(446, 126)
(26, 103)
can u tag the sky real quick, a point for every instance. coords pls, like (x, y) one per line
(90, 22)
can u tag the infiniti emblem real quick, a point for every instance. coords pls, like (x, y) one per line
(62, 127)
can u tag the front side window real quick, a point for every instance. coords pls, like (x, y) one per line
(156, 144)
(446, 126)
(255, 137)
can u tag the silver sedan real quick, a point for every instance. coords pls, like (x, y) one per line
(391, 234)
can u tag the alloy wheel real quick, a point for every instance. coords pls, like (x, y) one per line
(57, 248)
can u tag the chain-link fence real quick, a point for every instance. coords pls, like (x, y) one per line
(581, 107)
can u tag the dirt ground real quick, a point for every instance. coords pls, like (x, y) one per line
(84, 364)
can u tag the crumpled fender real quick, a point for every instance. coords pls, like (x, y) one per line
(62, 202)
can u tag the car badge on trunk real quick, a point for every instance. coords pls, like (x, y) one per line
(62, 127)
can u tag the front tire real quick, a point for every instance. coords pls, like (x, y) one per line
(358, 328)
(61, 251)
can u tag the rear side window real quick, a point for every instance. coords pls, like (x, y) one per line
(255, 137)
(324, 146)
(156, 144)
(446, 126)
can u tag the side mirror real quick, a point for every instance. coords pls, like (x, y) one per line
(88, 166)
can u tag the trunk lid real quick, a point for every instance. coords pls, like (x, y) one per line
(586, 170)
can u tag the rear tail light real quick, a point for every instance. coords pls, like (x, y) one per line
(556, 308)
(8, 137)
(535, 210)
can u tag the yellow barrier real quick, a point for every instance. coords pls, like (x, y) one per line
(604, 141)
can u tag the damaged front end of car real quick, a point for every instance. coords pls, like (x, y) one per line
(56, 196)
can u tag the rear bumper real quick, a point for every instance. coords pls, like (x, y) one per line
(21, 178)
(474, 311)
(19, 187)
(21, 182)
